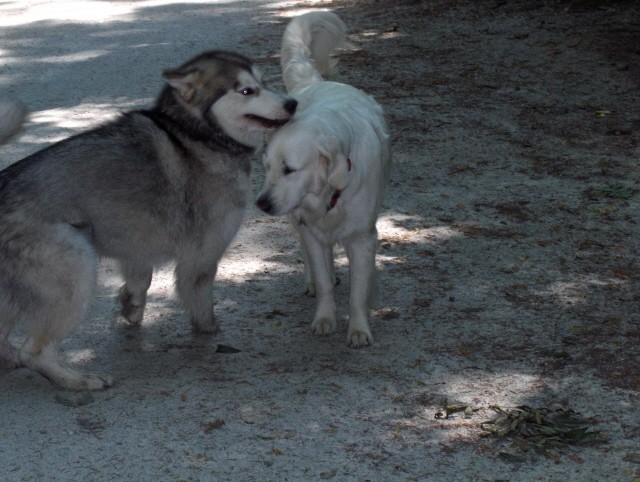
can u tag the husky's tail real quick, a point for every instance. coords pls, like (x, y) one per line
(306, 50)
(12, 115)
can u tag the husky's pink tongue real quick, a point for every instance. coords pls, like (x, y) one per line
(267, 123)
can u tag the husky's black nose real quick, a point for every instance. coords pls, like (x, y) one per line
(264, 203)
(290, 106)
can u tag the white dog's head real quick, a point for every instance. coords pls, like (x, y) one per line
(303, 167)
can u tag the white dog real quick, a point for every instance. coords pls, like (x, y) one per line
(327, 169)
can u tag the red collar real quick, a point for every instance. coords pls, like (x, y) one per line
(336, 194)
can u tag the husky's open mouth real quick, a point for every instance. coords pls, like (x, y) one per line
(267, 123)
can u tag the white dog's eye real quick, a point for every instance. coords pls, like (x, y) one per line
(247, 91)
(286, 170)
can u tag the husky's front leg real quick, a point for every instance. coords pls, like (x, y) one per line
(194, 283)
(133, 295)
(362, 269)
(320, 259)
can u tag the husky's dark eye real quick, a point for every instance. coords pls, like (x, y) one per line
(286, 170)
(247, 91)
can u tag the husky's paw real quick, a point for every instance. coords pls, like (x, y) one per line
(91, 381)
(45, 361)
(9, 357)
(323, 325)
(71, 379)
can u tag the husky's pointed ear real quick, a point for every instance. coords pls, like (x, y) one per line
(185, 82)
(339, 166)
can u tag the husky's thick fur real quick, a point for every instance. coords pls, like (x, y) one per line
(327, 169)
(153, 186)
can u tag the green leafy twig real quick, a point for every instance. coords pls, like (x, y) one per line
(542, 427)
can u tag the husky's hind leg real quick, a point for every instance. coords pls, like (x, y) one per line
(58, 276)
(46, 362)
(133, 295)
(9, 357)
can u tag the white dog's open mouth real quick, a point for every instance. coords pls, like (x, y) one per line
(267, 123)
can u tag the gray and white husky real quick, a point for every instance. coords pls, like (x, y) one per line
(165, 184)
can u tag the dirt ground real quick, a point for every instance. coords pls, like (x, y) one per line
(508, 261)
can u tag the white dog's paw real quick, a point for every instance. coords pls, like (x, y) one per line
(323, 325)
(358, 337)
(210, 326)
(359, 333)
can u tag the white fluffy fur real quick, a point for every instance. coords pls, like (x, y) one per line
(337, 142)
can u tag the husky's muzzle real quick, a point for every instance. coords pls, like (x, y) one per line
(289, 106)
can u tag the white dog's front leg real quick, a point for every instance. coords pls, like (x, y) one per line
(362, 258)
(320, 261)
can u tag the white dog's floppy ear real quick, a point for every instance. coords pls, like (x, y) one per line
(185, 82)
(339, 172)
(339, 165)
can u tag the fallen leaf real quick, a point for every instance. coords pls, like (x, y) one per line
(212, 425)
(634, 458)
(329, 474)
(226, 349)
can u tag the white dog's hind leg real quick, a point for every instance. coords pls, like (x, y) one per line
(309, 284)
(321, 264)
(309, 276)
(362, 257)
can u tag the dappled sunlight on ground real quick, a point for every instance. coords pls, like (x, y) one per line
(577, 291)
(64, 11)
(71, 120)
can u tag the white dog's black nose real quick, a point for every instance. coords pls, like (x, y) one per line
(265, 204)
(290, 106)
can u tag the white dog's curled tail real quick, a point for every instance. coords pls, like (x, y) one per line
(307, 45)
(12, 116)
